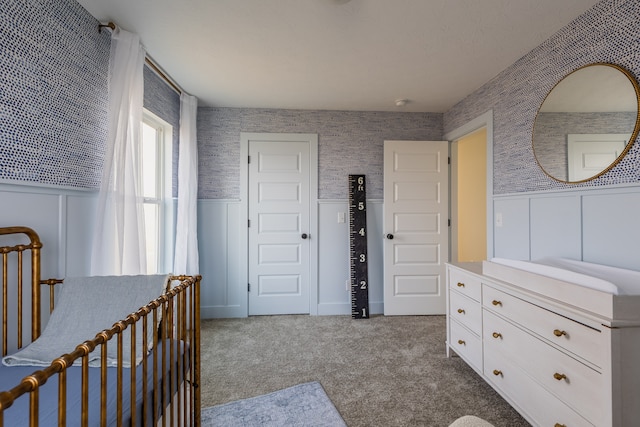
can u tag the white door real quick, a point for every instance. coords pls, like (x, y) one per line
(590, 154)
(416, 216)
(279, 231)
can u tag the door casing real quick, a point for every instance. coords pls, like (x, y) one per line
(485, 120)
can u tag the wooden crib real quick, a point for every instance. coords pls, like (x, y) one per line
(162, 389)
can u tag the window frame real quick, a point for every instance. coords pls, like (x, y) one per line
(164, 173)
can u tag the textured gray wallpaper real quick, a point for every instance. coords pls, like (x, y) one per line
(53, 71)
(53, 93)
(349, 142)
(609, 32)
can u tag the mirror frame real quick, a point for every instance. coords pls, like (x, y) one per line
(627, 147)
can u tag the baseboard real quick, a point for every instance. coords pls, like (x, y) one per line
(342, 309)
(221, 312)
(327, 309)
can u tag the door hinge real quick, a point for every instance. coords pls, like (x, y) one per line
(248, 287)
(449, 223)
(448, 160)
(248, 159)
(248, 223)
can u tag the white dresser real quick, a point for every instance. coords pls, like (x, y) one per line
(561, 354)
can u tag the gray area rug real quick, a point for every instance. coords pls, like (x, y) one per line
(301, 405)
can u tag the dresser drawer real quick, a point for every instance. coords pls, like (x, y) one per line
(466, 344)
(581, 340)
(465, 283)
(465, 311)
(537, 403)
(579, 386)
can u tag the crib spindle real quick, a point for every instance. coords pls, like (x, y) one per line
(132, 320)
(163, 352)
(145, 366)
(62, 399)
(155, 365)
(20, 249)
(172, 372)
(85, 387)
(119, 376)
(5, 304)
(103, 378)
(34, 398)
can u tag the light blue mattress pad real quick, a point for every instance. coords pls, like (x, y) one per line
(17, 415)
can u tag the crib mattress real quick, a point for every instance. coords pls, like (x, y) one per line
(17, 415)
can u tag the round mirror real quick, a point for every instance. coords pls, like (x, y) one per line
(587, 123)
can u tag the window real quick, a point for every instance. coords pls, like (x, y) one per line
(155, 159)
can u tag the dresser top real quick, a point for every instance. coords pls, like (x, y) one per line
(473, 267)
(613, 310)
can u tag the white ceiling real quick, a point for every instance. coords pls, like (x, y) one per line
(337, 54)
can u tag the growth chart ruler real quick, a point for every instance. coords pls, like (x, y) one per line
(358, 247)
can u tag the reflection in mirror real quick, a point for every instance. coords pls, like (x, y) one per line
(587, 123)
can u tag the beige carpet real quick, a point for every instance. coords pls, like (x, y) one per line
(382, 371)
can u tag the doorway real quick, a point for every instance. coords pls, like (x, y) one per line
(471, 196)
(279, 197)
(468, 235)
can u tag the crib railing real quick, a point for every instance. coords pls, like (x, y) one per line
(176, 317)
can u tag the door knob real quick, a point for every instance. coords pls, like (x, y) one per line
(304, 235)
(390, 236)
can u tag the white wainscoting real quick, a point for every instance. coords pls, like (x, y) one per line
(333, 265)
(224, 295)
(63, 218)
(597, 225)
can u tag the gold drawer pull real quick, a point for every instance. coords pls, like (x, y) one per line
(496, 302)
(497, 335)
(461, 342)
(559, 333)
(461, 311)
(559, 425)
(497, 372)
(559, 376)
(460, 285)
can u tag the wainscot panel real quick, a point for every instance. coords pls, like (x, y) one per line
(594, 225)
(511, 227)
(222, 293)
(43, 209)
(611, 233)
(556, 227)
(334, 297)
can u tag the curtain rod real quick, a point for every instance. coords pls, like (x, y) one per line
(149, 61)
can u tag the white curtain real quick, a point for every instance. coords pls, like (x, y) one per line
(186, 250)
(119, 242)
